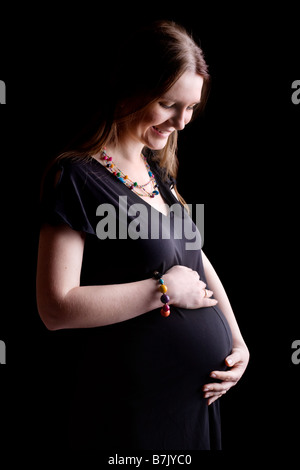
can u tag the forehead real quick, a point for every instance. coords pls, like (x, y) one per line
(186, 89)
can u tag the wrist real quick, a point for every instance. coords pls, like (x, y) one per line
(168, 278)
(163, 290)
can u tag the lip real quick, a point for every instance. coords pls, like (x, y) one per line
(161, 133)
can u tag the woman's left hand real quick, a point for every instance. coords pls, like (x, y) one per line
(237, 361)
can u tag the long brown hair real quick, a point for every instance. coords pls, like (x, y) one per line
(147, 64)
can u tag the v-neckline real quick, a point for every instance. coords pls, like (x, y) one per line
(139, 198)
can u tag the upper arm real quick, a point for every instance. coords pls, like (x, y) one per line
(58, 268)
(210, 273)
(204, 259)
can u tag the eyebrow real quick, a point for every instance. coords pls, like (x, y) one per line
(174, 98)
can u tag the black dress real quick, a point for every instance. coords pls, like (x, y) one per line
(139, 381)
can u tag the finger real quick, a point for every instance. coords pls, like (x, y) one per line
(233, 359)
(228, 376)
(217, 388)
(215, 394)
(210, 401)
(206, 302)
(205, 293)
(209, 293)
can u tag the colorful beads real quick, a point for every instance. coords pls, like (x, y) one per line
(165, 311)
(165, 299)
(163, 289)
(157, 275)
(139, 189)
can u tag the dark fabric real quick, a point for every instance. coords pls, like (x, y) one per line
(139, 381)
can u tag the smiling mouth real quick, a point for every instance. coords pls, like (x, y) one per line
(160, 132)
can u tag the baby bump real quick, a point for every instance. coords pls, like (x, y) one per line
(182, 349)
(151, 355)
(207, 339)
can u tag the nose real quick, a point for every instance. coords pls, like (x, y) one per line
(180, 119)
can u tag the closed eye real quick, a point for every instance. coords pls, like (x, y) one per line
(166, 106)
(169, 106)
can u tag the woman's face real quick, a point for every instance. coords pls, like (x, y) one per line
(172, 111)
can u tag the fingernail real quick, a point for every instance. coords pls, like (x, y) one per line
(229, 362)
(206, 390)
(213, 376)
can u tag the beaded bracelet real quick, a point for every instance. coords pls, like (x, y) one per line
(165, 311)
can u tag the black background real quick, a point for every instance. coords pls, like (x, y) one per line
(239, 159)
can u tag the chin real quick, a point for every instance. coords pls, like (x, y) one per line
(154, 142)
(156, 147)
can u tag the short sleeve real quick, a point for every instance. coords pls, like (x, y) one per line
(65, 197)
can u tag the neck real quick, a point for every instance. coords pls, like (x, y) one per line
(125, 152)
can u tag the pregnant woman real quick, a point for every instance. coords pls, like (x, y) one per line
(161, 343)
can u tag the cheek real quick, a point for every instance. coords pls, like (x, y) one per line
(152, 119)
(155, 116)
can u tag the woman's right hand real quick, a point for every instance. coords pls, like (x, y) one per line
(186, 290)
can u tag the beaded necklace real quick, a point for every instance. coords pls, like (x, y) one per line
(133, 185)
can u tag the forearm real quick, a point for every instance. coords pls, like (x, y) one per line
(216, 286)
(94, 306)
